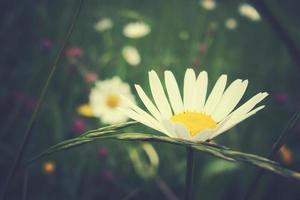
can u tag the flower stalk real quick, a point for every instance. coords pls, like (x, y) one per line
(190, 159)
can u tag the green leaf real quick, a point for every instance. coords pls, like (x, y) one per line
(112, 132)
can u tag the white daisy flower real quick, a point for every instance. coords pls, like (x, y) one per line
(131, 55)
(105, 98)
(136, 30)
(249, 11)
(103, 24)
(231, 23)
(193, 117)
(208, 4)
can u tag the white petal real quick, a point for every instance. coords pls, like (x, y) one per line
(148, 103)
(230, 99)
(189, 89)
(181, 131)
(143, 114)
(135, 116)
(177, 130)
(173, 92)
(170, 128)
(234, 120)
(200, 91)
(250, 104)
(159, 95)
(215, 95)
(203, 136)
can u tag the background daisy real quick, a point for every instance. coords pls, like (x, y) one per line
(249, 12)
(136, 29)
(105, 99)
(131, 55)
(208, 4)
(103, 24)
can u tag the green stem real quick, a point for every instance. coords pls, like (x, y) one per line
(28, 132)
(189, 173)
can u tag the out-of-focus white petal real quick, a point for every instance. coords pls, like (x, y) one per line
(104, 24)
(208, 4)
(249, 11)
(231, 24)
(136, 30)
(131, 55)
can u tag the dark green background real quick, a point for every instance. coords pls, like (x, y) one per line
(253, 51)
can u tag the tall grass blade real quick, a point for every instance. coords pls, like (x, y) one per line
(212, 149)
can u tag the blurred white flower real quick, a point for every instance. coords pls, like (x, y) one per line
(208, 4)
(249, 11)
(136, 29)
(131, 55)
(105, 100)
(103, 24)
(231, 23)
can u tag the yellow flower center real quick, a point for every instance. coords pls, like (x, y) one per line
(112, 101)
(195, 122)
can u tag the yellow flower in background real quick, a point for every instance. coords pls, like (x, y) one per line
(131, 55)
(105, 98)
(249, 11)
(49, 167)
(85, 110)
(104, 24)
(136, 29)
(193, 117)
(208, 4)
(231, 23)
